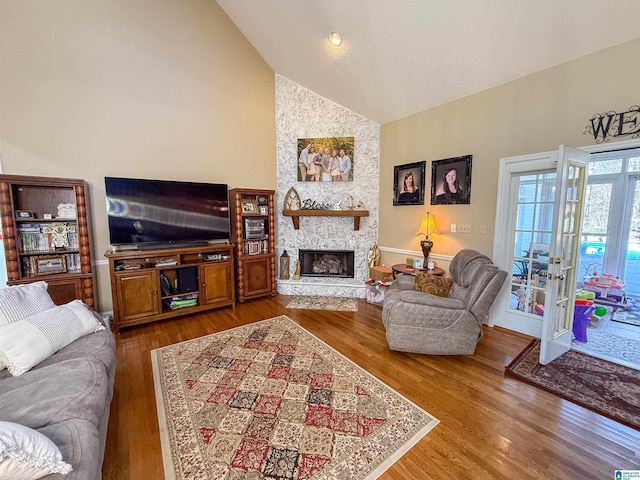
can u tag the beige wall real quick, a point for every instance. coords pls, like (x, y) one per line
(166, 89)
(533, 114)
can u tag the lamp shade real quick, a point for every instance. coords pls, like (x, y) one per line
(427, 225)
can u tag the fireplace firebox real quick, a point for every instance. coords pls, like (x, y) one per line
(326, 263)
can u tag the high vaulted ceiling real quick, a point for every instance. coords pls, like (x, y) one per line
(404, 56)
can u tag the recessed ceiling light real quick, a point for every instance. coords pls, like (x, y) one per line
(335, 38)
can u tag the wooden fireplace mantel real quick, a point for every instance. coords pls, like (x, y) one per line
(296, 214)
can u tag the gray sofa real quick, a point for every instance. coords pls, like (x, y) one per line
(67, 398)
(423, 323)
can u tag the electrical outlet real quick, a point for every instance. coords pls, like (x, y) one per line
(465, 228)
(453, 228)
(483, 229)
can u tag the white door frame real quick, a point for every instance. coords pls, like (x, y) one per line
(502, 251)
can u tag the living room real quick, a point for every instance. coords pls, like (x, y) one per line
(174, 90)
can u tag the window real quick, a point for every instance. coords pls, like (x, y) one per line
(610, 239)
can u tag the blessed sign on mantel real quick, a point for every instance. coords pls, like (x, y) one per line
(603, 126)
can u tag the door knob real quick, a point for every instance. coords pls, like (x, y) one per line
(559, 277)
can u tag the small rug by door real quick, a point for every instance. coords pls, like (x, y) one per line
(269, 400)
(342, 304)
(604, 387)
(630, 317)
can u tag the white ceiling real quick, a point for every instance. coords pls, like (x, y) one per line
(400, 57)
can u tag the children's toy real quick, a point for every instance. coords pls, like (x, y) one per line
(604, 284)
(581, 313)
(608, 290)
(600, 311)
(582, 310)
(585, 295)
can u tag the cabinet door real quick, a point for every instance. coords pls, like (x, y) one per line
(138, 295)
(257, 276)
(216, 283)
(64, 291)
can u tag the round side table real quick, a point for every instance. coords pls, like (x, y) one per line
(402, 268)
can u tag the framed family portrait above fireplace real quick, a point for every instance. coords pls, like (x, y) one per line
(451, 181)
(328, 159)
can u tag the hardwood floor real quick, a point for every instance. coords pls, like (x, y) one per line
(491, 427)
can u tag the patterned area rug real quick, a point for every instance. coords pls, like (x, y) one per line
(269, 400)
(342, 304)
(614, 348)
(604, 387)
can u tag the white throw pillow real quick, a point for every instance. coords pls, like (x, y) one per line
(27, 342)
(26, 454)
(22, 301)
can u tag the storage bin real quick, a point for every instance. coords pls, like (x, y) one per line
(375, 291)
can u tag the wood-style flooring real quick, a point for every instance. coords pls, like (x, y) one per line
(491, 427)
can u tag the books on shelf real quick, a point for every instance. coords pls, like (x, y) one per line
(31, 239)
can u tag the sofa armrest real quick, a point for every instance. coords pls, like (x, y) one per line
(420, 298)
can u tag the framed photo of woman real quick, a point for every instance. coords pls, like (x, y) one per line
(451, 181)
(408, 184)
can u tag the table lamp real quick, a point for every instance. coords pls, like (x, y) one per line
(427, 227)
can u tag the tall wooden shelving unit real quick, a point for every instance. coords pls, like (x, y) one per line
(253, 232)
(55, 249)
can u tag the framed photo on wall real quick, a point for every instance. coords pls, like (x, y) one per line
(451, 181)
(408, 184)
(327, 159)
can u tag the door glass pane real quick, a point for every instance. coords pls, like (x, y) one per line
(544, 217)
(597, 201)
(569, 217)
(595, 222)
(527, 187)
(634, 164)
(525, 217)
(564, 282)
(523, 240)
(531, 242)
(546, 187)
(632, 264)
(605, 166)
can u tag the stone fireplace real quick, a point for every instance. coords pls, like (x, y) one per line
(300, 114)
(326, 263)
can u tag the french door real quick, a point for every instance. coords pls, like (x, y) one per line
(524, 221)
(557, 323)
(538, 221)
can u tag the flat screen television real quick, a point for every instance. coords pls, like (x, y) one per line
(156, 213)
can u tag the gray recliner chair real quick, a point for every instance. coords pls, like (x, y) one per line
(423, 323)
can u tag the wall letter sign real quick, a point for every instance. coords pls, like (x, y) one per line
(612, 124)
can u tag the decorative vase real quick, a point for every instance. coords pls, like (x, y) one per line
(296, 274)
